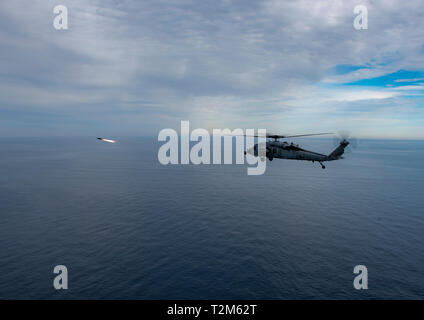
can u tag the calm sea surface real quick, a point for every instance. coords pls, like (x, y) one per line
(127, 227)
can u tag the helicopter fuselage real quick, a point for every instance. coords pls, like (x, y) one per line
(285, 150)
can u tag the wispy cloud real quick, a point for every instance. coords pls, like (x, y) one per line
(409, 80)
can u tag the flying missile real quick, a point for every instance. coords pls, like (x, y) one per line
(107, 140)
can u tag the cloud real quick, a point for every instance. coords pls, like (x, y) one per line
(134, 67)
(409, 80)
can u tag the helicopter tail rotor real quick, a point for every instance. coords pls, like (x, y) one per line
(345, 136)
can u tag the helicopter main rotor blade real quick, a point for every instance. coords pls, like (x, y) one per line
(307, 135)
(277, 136)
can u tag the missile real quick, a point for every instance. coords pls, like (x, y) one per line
(107, 140)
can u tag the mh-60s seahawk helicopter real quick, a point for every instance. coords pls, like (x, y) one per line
(284, 150)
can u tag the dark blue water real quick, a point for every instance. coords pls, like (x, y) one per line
(128, 227)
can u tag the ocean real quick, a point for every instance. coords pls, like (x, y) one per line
(127, 227)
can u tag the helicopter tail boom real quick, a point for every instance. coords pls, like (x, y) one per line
(337, 153)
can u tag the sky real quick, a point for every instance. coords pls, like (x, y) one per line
(132, 68)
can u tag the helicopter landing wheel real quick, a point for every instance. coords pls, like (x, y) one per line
(322, 166)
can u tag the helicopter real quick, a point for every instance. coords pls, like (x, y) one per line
(283, 150)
